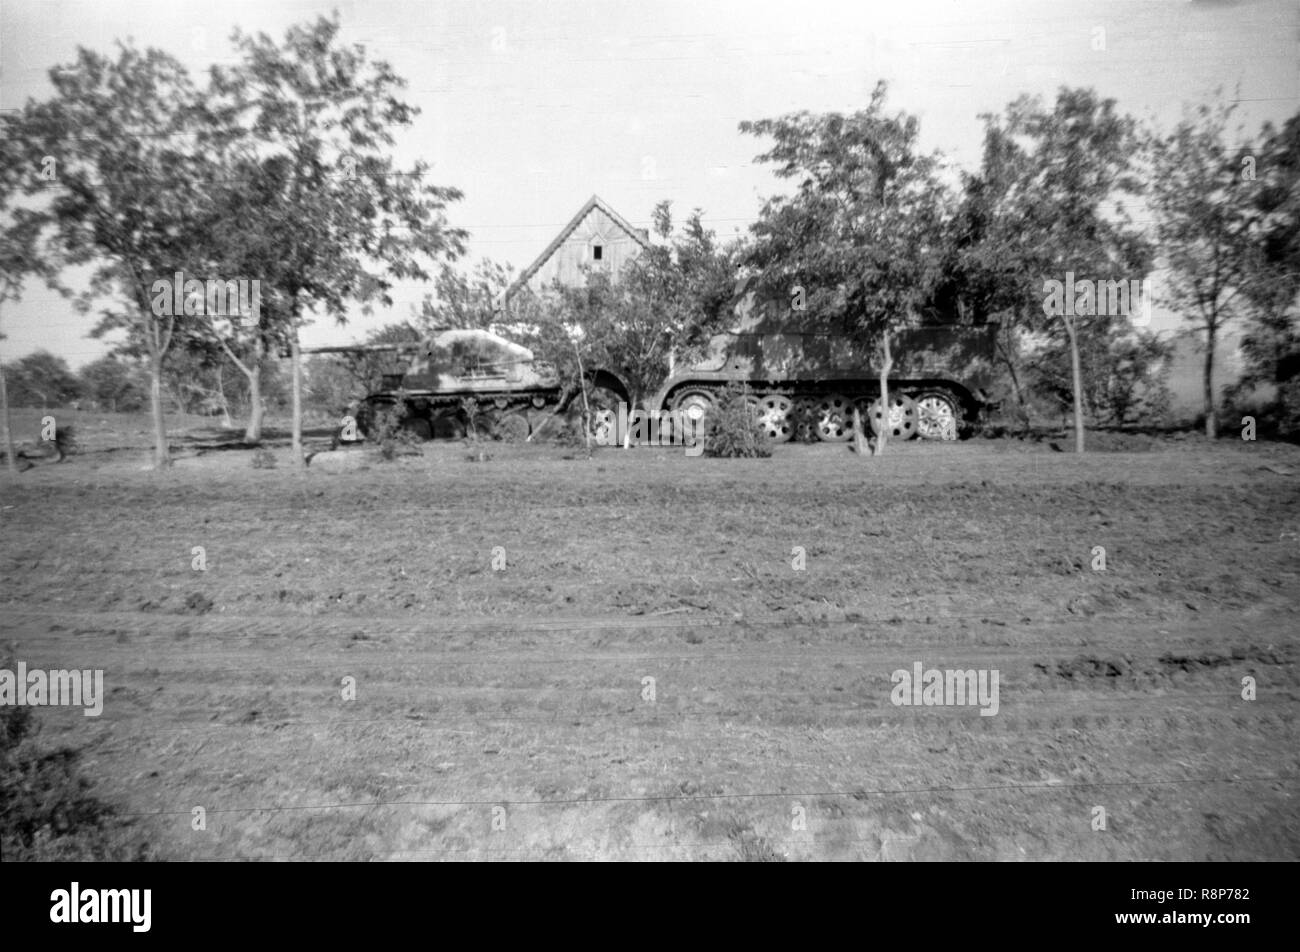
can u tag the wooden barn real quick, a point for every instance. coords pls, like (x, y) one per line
(597, 237)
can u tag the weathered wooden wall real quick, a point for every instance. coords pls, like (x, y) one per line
(566, 263)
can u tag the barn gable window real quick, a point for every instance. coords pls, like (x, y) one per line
(597, 251)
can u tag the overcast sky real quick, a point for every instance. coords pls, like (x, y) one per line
(531, 106)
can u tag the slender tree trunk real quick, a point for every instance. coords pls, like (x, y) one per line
(586, 407)
(252, 372)
(8, 427)
(161, 454)
(253, 432)
(1211, 421)
(296, 357)
(226, 422)
(886, 366)
(1076, 371)
(1004, 350)
(635, 404)
(12, 461)
(1022, 411)
(1015, 387)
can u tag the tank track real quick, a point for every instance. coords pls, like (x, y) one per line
(440, 415)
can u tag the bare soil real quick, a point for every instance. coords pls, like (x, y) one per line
(505, 713)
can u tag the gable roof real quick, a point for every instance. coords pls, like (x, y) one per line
(640, 235)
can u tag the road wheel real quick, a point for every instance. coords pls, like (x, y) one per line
(804, 413)
(696, 403)
(512, 427)
(902, 417)
(448, 425)
(775, 416)
(835, 418)
(936, 417)
(419, 427)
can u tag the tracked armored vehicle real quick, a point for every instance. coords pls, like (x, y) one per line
(469, 380)
(805, 381)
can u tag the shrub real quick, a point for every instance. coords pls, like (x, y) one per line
(481, 421)
(263, 459)
(732, 428)
(1276, 413)
(1133, 387)
(568, 433)
(392, 434)
(65, 438)
(46, 809)
(1124, 379)
(1289, 409)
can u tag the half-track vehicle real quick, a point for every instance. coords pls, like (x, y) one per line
(805, 380)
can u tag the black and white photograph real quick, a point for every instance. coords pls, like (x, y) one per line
(666, 431)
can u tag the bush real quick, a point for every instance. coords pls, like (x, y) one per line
(1277, 414)
(478, 425)
(263, 459)
(65, 439)
(63, 445)
(732, 429)
(567, 432)
(1133, 387)
(392, 434)
(1289, 409)
(1124, 379)
(46, 809)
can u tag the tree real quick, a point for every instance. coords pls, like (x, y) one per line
(21, 253)
(1122, 377)
(329, 385)
(862, 234)
(465, 299)
(335, 382)
(123, 187)
(115, 384)
(1205, 219)
(1048, 202)
(691, 276)
(5, 421)
(42, 379)
(1271, 341)
(665, 300)
(325, 217)
(194, 378)
(984, 275)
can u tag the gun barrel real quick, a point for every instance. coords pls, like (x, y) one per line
(357, 348)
